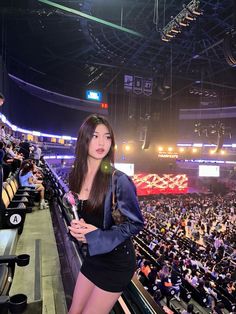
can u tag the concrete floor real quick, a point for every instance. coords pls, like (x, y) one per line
(38, 225)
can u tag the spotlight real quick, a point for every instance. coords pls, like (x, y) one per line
(196, 12)
(127, 148)
(189, 15)
(170, 149)
(190, 18)
(182, 19)
(183, 23)
(175, 30)
(169, 35)
(165, 39)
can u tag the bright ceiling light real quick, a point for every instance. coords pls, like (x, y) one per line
(127, 147)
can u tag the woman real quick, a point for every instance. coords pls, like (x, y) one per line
(26, 178)
(110, 262)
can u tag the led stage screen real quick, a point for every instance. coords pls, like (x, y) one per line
(209, 171)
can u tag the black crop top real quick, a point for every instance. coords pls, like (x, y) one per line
(93, 217)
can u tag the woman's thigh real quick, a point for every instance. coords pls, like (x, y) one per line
(82, 292)
(101, 302)
(39, 186)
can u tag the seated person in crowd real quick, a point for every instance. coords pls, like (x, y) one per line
(189, 310)
(12, 158)
(27, 178)
(5, 166)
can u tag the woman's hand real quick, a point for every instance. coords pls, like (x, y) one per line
(79, 228)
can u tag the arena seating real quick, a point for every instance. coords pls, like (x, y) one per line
(12, 215)
(8, 262)
(16, 198)
(143, 241)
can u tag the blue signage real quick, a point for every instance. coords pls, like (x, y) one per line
(93, 95)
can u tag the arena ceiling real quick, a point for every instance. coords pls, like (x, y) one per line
(62, 41)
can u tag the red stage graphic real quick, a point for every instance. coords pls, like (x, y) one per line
(148, 184)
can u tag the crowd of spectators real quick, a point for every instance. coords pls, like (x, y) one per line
(193, 240)
(22, 157)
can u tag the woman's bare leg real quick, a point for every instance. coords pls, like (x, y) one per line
(40, 188)
(82, 292)
(100, 301)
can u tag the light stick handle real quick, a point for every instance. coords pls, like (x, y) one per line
(74, 209)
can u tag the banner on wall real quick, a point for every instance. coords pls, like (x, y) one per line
(128, 82)
(138, 85)
(147, 87)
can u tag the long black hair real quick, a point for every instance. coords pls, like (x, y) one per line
(26, 167)
(80, 168)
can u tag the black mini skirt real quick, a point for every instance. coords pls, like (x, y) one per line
(112, 271)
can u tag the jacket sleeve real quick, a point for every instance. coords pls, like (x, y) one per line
(103, 241)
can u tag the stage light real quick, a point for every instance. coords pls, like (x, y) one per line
(165, 39)
(170, 149)
(160, 149)
(169, 35)
(181, 149)
(197, 12)
(182, 19)
(175, 30)
(183, 23)
(222, 152)
(194, 150)
(190, 18)
(127, 148)
(116, 147)
(212, 152)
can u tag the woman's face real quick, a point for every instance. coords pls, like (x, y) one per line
(100, 143)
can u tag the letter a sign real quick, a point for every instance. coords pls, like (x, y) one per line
(15, 219)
